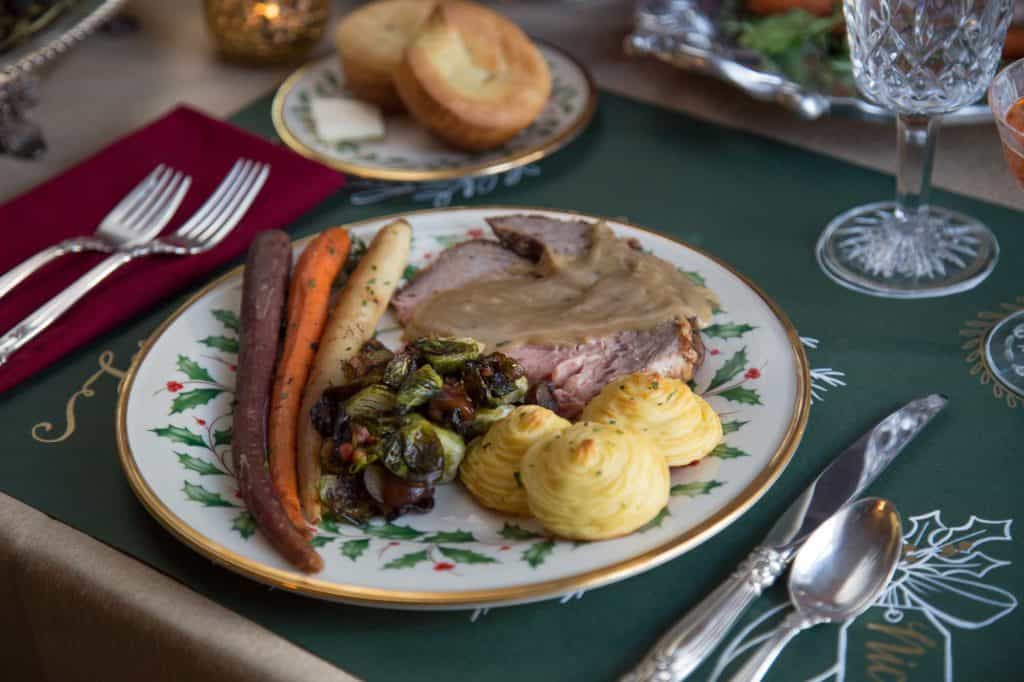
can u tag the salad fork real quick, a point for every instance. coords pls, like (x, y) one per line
(137, 218)
(216, 217)
(204, 230)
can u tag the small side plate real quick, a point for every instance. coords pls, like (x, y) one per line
(408, 152)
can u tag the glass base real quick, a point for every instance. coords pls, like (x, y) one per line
(875, 250)
(1004, 352)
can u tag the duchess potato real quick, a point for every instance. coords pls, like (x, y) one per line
(595, 481)
(352, 322)
(682, 423)
(490, 470)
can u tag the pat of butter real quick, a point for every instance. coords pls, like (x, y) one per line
(339, 119)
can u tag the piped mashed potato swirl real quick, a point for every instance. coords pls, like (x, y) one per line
(491, 469)
(595, 481)
(682, 423)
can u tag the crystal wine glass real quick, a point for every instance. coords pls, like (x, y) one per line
(919, 59)
(1004, 345)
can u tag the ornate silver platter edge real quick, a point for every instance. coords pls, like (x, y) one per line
(17, 82)
(685, 34)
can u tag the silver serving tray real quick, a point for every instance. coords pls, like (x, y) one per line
(69, 28)
(688, 34)
(19, 136)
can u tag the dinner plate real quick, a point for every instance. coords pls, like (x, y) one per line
(408, 152)
(174, 437)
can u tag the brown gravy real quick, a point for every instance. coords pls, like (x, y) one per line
(563, 301)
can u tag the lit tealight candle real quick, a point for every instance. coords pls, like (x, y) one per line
(267, 10)
(266, 31)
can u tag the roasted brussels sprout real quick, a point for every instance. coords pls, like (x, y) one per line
(345, 496)
(418, 388)
(367, 366)
(486, 418)
(495, 379)
(371, 403)
(454, 449)
(415, 451)
(329, 409)
(372, 354)
(396, 427)
(397, 369)
(448, 355)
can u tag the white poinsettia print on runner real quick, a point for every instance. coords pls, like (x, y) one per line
(822, 378)
(179, 417)
(941, 586)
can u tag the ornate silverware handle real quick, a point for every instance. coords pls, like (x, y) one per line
(691, 640)
(757, 666)
(20, 272)
(28, 328)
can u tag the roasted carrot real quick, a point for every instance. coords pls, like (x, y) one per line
(308, 297)
(264, 287)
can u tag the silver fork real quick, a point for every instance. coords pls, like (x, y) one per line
(203, 231)
(136, 218)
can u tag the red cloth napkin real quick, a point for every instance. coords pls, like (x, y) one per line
(75, 202)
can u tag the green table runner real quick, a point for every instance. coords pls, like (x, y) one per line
(760, 205)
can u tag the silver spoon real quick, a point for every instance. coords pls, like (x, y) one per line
(838, 573)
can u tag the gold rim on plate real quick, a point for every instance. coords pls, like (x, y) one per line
(470, 598)
(513, 160)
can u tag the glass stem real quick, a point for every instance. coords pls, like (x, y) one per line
(917, 149)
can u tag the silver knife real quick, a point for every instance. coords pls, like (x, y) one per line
(691, 640)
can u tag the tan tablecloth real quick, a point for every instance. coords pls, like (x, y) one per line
(74, 604)
(75, 609)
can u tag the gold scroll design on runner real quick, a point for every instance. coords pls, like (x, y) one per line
(106, 368)
(976, 331)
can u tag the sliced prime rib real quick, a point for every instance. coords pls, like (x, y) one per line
(575, 374)
(529, 235)
(471, 261)
(572, 374)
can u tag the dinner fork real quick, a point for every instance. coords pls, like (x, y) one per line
(204, 230)
(137, 218)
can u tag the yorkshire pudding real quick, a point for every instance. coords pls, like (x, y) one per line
(371, 41)
(472, 77)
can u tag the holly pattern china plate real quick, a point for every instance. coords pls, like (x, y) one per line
(174, 435)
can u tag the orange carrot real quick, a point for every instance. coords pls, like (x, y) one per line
(308, 298)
